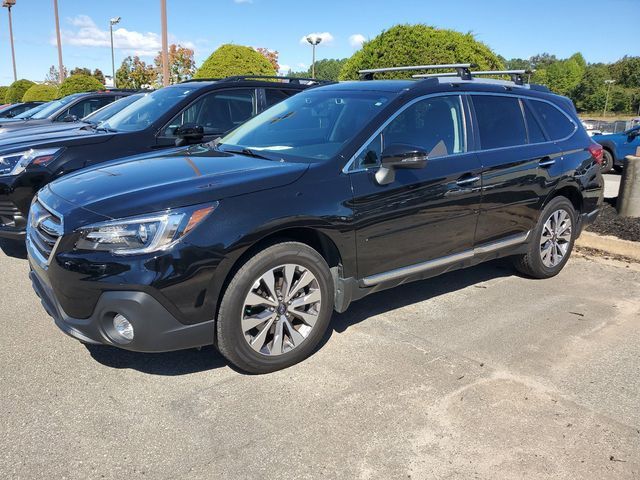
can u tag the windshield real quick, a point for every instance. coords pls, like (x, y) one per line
(32, 111)
(111, 109)
(311, 125)
(53, 107)
(148, 109)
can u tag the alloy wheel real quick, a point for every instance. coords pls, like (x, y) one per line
(281, 309)
(556, 238)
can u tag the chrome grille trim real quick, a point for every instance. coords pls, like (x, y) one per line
(44, 231)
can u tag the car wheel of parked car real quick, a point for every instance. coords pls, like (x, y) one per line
(607, 162)
(551, 242)
(276, 308)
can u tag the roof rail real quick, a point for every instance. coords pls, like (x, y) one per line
(462, 69)
(239, 78)
(517, 76)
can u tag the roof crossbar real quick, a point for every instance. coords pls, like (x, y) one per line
(238, 78)
(463, 70)
(517, 76)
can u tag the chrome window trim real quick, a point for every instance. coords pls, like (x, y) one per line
(346, 168)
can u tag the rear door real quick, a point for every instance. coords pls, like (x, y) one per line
(424, 214)
(518, 161)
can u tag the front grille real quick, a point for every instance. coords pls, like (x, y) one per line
(44, 229)
(8, 213)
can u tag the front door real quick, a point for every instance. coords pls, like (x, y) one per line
(423, 214)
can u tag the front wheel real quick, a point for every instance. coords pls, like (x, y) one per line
(551, 241)
(276, 308)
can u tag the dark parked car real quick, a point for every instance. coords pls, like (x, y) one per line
(67, 109)
(617, 146)
(10, 111)
(188, 112)
(100, 115)
(251, 242)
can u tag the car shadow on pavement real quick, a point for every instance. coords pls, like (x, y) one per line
(185, 362)
(12, 248)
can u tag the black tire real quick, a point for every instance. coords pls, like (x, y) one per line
(607, 161)
(231, 341)
(531, 263)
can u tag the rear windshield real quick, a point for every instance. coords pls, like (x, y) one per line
(312, 125)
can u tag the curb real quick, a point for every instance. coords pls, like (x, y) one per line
(609, 244)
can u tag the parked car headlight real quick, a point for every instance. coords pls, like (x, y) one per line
(143, 234)
(15, 163)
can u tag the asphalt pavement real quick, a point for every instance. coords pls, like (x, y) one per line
(475, 374)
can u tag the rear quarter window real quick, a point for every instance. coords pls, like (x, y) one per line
(556, 123)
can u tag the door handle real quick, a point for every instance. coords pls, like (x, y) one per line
(546, 162)
(463, 182)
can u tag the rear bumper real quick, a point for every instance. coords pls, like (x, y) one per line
(587, 219)
(155, 329)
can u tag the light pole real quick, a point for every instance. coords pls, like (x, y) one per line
(606, 102)
(165, 43)
(9, 4)
(60, 65)
(314, 40)
(112, 22)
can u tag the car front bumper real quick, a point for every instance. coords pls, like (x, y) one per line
(155, 328)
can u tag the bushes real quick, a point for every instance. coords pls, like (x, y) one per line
(234, 60)
(16, 91)
(78, 84)
(40, 93)
(3, 93)
(419, 45)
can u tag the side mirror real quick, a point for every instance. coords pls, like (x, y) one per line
(633, 134)
(189, 133)
(396, 156)
(70, 118)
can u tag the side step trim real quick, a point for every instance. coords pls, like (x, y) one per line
(444, 261)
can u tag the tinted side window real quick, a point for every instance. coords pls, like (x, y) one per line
(555, 122)
(500, 121)
(85, 107)
(216, 112)
(274, 96)
(434, 124)
(536, 135)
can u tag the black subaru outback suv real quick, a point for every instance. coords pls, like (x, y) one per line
(193, 111)
(251, 242)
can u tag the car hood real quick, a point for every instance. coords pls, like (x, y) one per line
(20, 123)
(51, 136)
(41, 129)
(182, 178)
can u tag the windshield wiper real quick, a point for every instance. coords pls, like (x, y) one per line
(99, 128)
(248, 152)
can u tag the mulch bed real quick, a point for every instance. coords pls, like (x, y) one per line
(609, 223)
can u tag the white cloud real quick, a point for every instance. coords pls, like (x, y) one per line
(356, 40)
(326, 37)
(88, 34)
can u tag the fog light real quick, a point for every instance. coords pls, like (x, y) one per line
(123, 327)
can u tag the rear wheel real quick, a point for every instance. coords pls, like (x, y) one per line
(551, 241)
(607, 162)
(276, 308)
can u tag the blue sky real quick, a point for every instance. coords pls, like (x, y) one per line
(509, 27)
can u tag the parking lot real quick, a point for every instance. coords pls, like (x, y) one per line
(476, 374)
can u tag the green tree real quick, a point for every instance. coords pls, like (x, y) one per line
(16, 90)
(78, 84)
(328, 68)
(135, 73)
(81, 71)
(419, 45)
(626, 72)
(98, 75)
(590, 93)
(563, 76)
(182, 66)
(231, 60)
(3, 94)
(40, 93)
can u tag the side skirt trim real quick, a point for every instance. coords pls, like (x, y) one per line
(444, 261)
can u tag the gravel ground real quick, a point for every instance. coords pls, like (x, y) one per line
(609, 223)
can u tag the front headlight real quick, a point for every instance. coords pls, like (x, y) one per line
(15, 163)
(143, 234)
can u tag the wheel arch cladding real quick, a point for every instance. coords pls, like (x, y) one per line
(572, 193)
